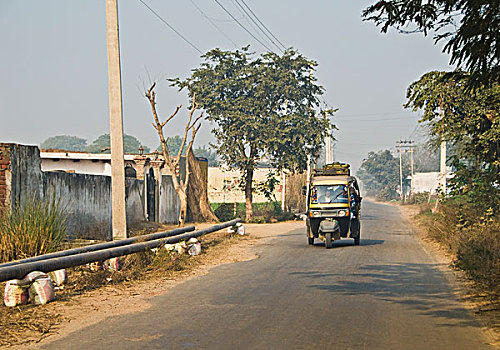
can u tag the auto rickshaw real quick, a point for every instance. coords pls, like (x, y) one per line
(333, 205)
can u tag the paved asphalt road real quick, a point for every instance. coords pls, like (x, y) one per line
(387, 293)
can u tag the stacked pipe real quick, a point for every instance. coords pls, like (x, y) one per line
(103, 251)
(100, 246)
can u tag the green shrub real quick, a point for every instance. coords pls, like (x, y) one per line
(256, 219)
(262, 212)
(37, 227)
(386, 193)
(479, 254)
(224, 211)
(472, 236)
(418, 198)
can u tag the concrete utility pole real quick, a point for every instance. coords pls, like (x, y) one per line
(328, 147)
(404, 144)
(118, 214)
(401, 170)
(328, 150)
(283, 189)
(283, 175)
(442, 158)
(442, 168)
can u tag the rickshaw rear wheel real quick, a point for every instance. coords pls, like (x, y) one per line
(355, 225)
(328, 240)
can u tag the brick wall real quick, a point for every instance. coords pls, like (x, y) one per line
(5, 176)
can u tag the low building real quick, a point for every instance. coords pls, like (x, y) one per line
(427, 182)
(223, 185)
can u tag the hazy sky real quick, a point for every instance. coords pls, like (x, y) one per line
(53, 65)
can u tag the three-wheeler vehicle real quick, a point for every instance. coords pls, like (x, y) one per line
(333, 205)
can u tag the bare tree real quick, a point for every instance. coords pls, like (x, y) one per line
(173, 162)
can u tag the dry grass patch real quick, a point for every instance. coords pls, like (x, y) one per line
(29, 323)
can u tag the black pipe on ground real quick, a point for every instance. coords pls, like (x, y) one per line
(100, 246)
(21, 270)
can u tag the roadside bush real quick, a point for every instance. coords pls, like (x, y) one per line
(225, 211)
(479, 254)
(262, 212)
(418, 198)
(386, 193)
(472, 237)
(257, 219)
(35, 228)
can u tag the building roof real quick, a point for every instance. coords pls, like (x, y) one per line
(58, 154)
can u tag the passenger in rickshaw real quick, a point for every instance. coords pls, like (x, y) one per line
(332, 194)
(355, 201)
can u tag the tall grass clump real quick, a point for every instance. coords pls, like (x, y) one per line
(34, 228)
(472, 236)
(479, 254)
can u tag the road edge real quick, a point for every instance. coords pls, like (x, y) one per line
(461, 285)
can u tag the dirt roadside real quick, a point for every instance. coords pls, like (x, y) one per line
(133, 296)
(485, 307)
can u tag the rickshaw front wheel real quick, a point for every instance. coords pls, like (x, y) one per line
(328, 240)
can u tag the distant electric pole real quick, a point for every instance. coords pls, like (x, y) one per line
(442, 167)
(406, 145)
(118, 214)
(400, 169)
(328, 147)
(283, 174)
(328, 150)
(442, 163)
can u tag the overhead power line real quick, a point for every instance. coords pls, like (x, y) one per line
(251, 26)
(172, 28)
(257, 18)
(224, 20)
(212, 23)
(241, 25)
(257, 25)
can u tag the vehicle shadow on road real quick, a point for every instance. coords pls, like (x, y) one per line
(350, 243)
(421, 287)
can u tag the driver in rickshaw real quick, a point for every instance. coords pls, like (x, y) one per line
(334, 194)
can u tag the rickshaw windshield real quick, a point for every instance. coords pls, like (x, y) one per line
(326, 194)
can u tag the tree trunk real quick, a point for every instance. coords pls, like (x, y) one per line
(248, 194)
(199, 207)
(183, 199)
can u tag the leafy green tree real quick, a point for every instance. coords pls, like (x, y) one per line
(174, 144)
(102, 144)
(65, 142)
(469, 121)
(268, 186)
(470, 28)
(261, 106)
(379, 174)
